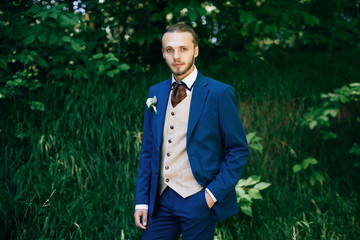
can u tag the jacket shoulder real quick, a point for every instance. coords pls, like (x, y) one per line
(155, 88)
(217, 86)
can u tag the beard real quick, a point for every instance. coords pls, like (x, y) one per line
(187, 68)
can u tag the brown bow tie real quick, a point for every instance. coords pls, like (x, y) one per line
(178, 93)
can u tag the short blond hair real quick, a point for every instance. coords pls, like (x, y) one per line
(182, 27)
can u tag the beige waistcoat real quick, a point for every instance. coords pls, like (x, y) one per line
(175, 171)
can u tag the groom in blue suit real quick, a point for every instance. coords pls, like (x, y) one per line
(193, 151)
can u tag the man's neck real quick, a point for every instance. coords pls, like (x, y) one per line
(182, 77)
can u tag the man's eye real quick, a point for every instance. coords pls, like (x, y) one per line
(183, 49)
(169, 50)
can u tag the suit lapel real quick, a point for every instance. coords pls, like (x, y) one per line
(197, 103)
(163, 98)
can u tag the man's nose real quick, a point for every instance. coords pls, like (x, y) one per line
(176, 54)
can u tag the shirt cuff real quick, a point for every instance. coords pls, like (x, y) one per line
(141, 207)
(211, 195)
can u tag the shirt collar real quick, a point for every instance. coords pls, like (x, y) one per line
(189, 80)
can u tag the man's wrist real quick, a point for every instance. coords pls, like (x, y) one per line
(211, 195)
(141, 207)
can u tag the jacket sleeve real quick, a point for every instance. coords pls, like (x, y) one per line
(235, 146)
(144, 173)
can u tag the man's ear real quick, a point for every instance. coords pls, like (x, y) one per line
(196, 53)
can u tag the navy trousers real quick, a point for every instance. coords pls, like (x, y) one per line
(174, 215)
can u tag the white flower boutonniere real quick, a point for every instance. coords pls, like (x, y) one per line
(151, 103)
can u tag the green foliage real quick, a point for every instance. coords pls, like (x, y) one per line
(20, 80)
(108, 64)
(331, 106)
(246, 194)
(52, 48)
(254, 142)
(227, 29)
(344, 94)
(314, 176)
(320, 116)
(356, 151)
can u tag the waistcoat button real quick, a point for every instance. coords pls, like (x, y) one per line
(171, 127)
(167, 168)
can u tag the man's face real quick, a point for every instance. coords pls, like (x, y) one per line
(179, 52)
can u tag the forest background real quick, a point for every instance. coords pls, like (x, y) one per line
(73, 84)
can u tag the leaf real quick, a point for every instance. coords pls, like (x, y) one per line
(42, 15)
(124, 67)
(355, 149)
(246, 17)
(246, 198)
(355, 84)
(97, 56)
(179, 7)
(112, 73)
(101, 67)
(270, 29)
(76, 46)
(240, 192)
(304, 164)
(192, 15)
(262, 185)
(318, 176)
(3, 63)
(312, 181)
(65, 20)
(201, 11)
(332, 112)
(249, 181)
(312, 124)
(53, 39)
(42, 38)
(297, 168)
(36, 105)
(246, 210)
(257, 147)
(53, 15)
(255, 194)
(42, 62)
(311, 161)
(329, 135)
(250, 136)
(29, 39)
(34, 85)
(112, 58)
(309, 19)
(154, 17)
(65, 39)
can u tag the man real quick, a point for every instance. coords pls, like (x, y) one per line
(193, 151)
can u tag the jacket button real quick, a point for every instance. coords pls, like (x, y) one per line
(172, 113)
(169, 141)
(166, 167)
(167, 180)
(171, 127)
(168, 154)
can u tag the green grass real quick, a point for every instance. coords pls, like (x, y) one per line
(70, 172)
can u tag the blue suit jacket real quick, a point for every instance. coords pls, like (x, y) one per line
(216, 144)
